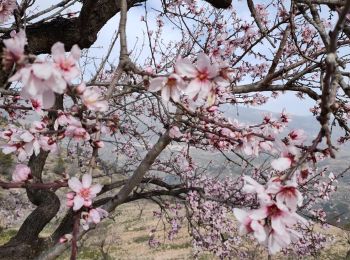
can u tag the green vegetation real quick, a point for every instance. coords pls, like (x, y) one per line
(175, 246)
(141, 239)
(6, 162)
(6, 234)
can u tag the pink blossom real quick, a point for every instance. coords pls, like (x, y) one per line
(252, 186)
(249, 225)
(201, 75)
(171, 87)
(64, 119)
(99, 144)
(270, 222)
(288, 158)
(77, 132)
(285, 117)
(94, 216)
(266, 146)
(287, 195)
(21, 173)
(93, 100)
(14, 49)
(67, 65)
(74, 128)
(84, 191)
(37, 126)
(6, 9)
(37, 104)
(297, 136)
(40, 81)
(7, 134)
(280, 217)
(48, 144)
(277, 241)
(70, 199)
(23, 143)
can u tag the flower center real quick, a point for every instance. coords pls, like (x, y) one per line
(85, 193)
(66, 65)
(35, 104)
(273, 210)
(171, 82)
(202, 76)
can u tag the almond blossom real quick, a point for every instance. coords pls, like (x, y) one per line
(14, 49)
(41, 80)
(23, 143)
(297, 136)
(171, 87)
(21, 173)
(93, 216)
(74, 128)
(93, 99)
(278, 241)
(201, 75)
(67, 65)
(252, 186)
(249, 225)
(37, 126)
(84, 191)
(65, 119)
(48, 143)
(285, 117)
(77, 132)
(288, 158)
(287, 195)
(6, 9)
(272, 223)
(269, 224)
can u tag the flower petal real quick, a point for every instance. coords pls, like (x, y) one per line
(86, 180)
(281, 164)
(156, 84)
(57, 51)
(193, 88)
(78, 203)
(95, 189)
(74, 184)
(185, 68)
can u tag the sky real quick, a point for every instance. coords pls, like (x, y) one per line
(135, 36)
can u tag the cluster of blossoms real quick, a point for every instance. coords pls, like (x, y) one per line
(83, 194)
(199, 82)
(73, 127)
(43, 78)
(92, 98)
(272, 223)
(26, 142)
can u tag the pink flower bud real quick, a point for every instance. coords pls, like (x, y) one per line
(70, 195)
